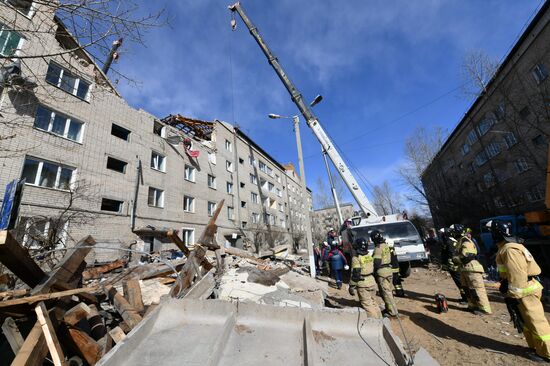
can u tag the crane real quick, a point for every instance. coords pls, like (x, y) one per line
(310, 118)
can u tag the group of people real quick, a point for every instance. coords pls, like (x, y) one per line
(519, 283)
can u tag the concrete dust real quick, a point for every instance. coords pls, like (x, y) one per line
(263, 277)
(241, 328)
(321, 336)
(457, 337)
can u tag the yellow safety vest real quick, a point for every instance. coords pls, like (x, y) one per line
(366, 264)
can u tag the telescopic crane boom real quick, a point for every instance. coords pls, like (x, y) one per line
(310, 118)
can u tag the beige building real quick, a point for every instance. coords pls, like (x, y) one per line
(322, 220)
(95, 165)
(495, 160)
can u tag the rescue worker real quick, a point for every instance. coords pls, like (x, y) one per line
(383, 271)
(448, 251)
(362, 279)
(471, 271)
(396, 278)
(522, 291)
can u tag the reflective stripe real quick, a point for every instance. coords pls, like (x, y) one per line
(501, 268)
(525, 291)
(466, 251)
(545, 337)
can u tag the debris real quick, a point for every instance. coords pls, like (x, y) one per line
(117, 334)
(76, 314)
(106, 268)
(49, 333)
(34, 349)
(128, 313)
(132, 293)
(17, 259)
(44, 297)
(12, 334)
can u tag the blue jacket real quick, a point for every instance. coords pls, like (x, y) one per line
(337, 259)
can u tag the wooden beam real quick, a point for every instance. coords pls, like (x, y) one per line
(67, 267)
(202, 288)
(172, 235)
(18, 260)
(12, 293)
(44, 297)
(76, 314)
(117, 334)
(87, 346)
(98, 271)
(12, 334)
(34, 349)
(128, 313)
(49, 333)
(132, 293)
(208, 236)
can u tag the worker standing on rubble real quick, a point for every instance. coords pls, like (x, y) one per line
(519, 284)
(338, 263)
(362, 279)
(448, 251)
(383, 271)
(471, 271)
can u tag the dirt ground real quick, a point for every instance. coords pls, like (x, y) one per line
(457, 337)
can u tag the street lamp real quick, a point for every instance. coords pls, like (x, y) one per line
(309, 239)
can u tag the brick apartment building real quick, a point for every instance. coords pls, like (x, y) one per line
(495, 160)
(323, 219)
(116, 172)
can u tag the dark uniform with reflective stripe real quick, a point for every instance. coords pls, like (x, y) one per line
(384, 276)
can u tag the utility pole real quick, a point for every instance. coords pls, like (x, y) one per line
(333, 189)
(309, 239)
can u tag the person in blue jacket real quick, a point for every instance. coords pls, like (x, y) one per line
(338, 263)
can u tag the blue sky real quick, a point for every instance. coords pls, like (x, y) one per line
(373, 61)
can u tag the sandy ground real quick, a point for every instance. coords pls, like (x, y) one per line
(457, 337)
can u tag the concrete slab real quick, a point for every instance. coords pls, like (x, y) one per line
(216, 332)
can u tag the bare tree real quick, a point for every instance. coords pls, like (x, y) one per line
(385, 200)
(420, 148)
(476, 71)
(323, 195)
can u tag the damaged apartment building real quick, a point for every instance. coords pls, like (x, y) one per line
(94, 165)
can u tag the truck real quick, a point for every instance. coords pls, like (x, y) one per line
(401, 233)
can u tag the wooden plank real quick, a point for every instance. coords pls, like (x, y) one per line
(203, 288)
(98, 271)
(76, 314)
(44, 297)
(18, 260)
(67, 267)
(49, 333)
(132, 293)
(12, 334)
(126, 311)
(172, 235)
(87, 346)
(117, 334)
(106, 343)
(34, 349)
(12, 293)
(208, 236)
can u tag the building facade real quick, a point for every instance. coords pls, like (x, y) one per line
(324, 219)
(94, 165)
(495, 160)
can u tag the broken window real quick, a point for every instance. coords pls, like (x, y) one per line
(241, 161)
(243, 204)
(64, 79)
(9, 41)
(159, 129)
(58, 124)
(243, 224)
(116, 165)
(111, 205)
(158, 162)
(242, 184)
(120, 132)
(156, 197)
(24, 6)
(46, 174)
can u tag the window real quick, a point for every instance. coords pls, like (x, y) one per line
(120, 132)
(241, 161)
(262, 166)
(255, 218)
(159, 129)
(539, 73)
(279, 193)
(510, 139)
(472, 137)
(242, 184)
(465, 149)
(116, 165)
(278, 177)
(189, 173)
(269, 171)
(243, 224)
(58, 124)
(228, 145)
(188, 236)
(253, 179)
(243, 204)
(188, 204)
(45, 174)
(484, 126)
(211, 180)
(521, 165)
(254, 197)
(489, 180)
(156, 197)
(535, 194)
(492, 149)
(251, 161)
(211, 207)
(500, 112)
(229, 187)
(270, 186)
(212, 158)
(230, 213)
(281, 207)
(539, 140)
(67, 81)
(158, 162)
(9, 41)
(228, 166)
(111, 205)
(481, 158)
(24, 6)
